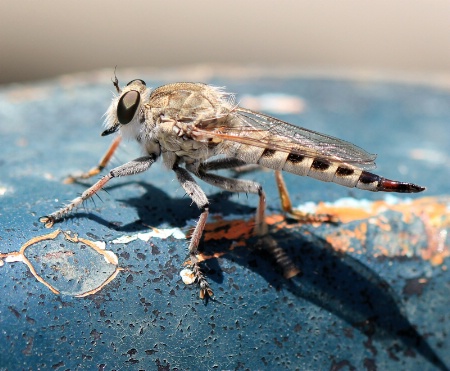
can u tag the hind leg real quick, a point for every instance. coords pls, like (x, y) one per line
(286, 205)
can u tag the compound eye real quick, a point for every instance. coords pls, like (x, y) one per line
(141, 81)
(127, 106)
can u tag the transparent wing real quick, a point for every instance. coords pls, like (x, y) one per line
(254, 128)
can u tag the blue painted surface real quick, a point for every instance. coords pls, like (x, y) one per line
(343, 311)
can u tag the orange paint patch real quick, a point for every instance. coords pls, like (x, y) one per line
(230, 230)
(431, 216)
(344, 214)
(341, 240)
(438, 207)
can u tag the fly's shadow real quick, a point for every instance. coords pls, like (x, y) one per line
(334, 281)
(156, 207)
(340, 284)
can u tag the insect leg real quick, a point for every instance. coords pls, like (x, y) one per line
(222, 163)
(237, 185)
(199, 197)
(101, 165)
(130, 168)
(239, 166)
(265, 241)
(286, 205)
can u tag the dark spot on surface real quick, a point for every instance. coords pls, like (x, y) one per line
(320, 165)
(162, 366)
(414, 286)
(348, 332)
(394, 351)
(294, 158)
(58, 365)
(30, 320)
(277, 343)
(96, 335)
(14, 311)
(132, 352)
(370, 364)
(369, 345)
(342, 365)
(125, 255)
(344, 171)
(93, 236)
(268, 153)
(29, 347)
(155, 250)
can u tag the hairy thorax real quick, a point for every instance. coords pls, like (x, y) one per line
(177, 109)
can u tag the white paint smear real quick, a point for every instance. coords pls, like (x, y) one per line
(14, 258)
(187, 276)
(162, 233)
(100, 244)
(349, 202)
(113, 259)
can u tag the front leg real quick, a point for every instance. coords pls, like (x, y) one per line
(101, 165)
(130, 168)
(198, 196)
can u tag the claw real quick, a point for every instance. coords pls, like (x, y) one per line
(69, 180)
(313, 218)
(48, 221)
(206, 292)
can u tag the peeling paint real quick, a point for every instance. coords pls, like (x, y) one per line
(70, 263)
(162, 233)
(424, 218)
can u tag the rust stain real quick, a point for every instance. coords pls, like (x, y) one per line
(341, 240)
(437, 207)
(344, 214)
(381, 222)
(433, 214)
(437, 250)
(230, 230)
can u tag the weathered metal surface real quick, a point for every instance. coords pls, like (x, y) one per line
(373, 290)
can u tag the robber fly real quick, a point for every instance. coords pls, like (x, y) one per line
(197, 128)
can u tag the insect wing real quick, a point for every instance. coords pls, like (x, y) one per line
(254, 128)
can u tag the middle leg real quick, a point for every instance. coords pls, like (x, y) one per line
(235, 185)
(265, 241)
(298, 215)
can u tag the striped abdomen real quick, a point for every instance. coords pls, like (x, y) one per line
(324, 170)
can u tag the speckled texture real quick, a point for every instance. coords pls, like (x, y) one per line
(358, 309)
